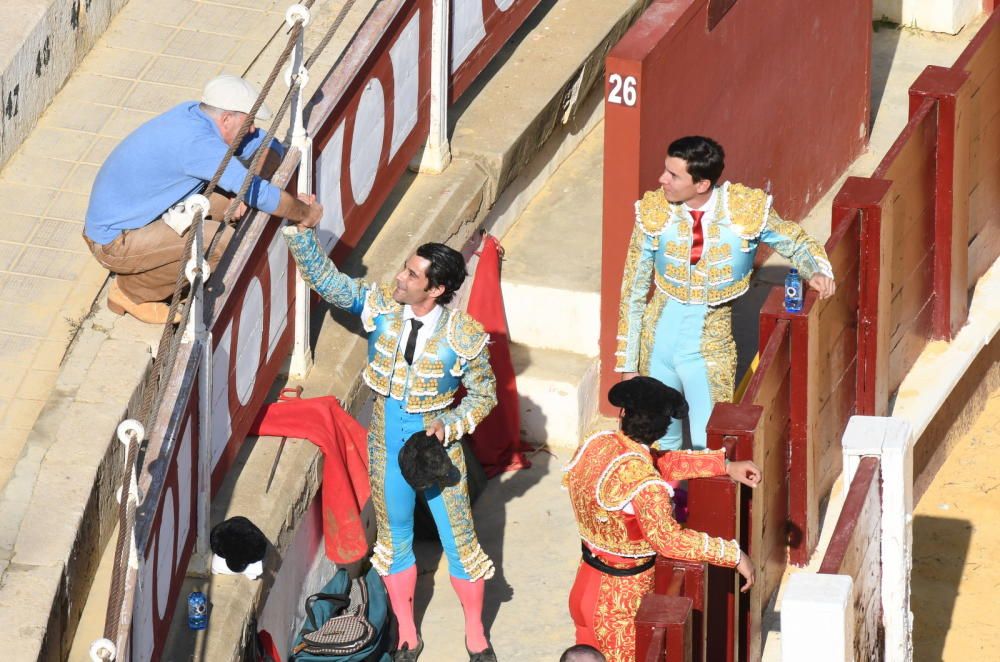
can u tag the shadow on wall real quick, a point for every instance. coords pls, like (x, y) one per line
(940, 547)
(746, 314)
(885, 39)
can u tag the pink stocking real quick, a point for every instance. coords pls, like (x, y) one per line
(401, 587)
(471, 595)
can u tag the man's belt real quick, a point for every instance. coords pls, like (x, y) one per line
(597, 564)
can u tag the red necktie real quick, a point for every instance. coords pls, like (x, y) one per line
(698, 237)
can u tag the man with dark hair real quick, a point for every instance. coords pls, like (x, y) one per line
(419, 353)
(697, 240)
(582, 653)
(622, 503)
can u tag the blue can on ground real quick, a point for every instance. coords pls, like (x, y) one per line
(197, 611)
(793, 291)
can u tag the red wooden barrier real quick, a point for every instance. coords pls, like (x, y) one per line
(951, 229)
(719, 510)
(908, 252)
(693, 587)
(977, 148)
(669, 623)
(866, 199)
(906, 244)
(663, 629)
(822, 391)
(670, 76)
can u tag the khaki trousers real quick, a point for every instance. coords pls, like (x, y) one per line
(148, 259)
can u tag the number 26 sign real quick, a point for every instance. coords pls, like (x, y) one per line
(623, 89)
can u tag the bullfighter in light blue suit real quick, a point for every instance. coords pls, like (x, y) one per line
(419, 353)
(697, 242)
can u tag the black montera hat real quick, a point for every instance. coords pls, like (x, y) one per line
(648, 395)
(239, 542)
(424, 463)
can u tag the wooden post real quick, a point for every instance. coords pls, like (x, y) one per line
(693, 587)
(872, 198)
(666, 619)
(951, 229)
(621, 189)
(803, 521)
(716, 508)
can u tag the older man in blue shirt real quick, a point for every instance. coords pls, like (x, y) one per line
(167, 159)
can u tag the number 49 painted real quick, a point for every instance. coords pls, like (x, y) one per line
(622, 90)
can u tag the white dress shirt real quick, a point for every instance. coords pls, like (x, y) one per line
(708, 207)
(430, 321)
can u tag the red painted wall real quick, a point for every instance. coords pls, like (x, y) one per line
(782, 84)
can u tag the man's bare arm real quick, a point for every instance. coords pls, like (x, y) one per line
(304, 211)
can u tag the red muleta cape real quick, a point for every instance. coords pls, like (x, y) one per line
(345, 465)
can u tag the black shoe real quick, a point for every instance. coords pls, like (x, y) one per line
(404, 654)
(483, 656)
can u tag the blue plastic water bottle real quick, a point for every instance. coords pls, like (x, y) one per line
(197, 611)
(793, 292)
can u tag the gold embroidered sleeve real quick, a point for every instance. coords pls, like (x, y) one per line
(322, 274)
(480, 398)
(684, 465)
(654, 510)
(624, 477)
(789, 239)
(635, 286)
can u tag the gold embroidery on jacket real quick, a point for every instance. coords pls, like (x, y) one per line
(650, 318)
(628, 277)
(677, 250)
(654, 211)
(696, 293)
(719, 275)
(748, 209)
(718, 350)
(676, 272)
(718, 253)
(465, 335)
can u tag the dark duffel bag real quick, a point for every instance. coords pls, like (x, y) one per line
(348, 621)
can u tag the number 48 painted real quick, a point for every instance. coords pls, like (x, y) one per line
(622, 89)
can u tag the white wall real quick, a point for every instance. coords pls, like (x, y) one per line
(934, 15)
(817, 618)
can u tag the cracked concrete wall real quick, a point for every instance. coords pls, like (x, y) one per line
(59, 507)
(41, 42)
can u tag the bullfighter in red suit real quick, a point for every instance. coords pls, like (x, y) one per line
(623, 509)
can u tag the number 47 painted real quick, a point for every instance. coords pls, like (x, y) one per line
(623, 90)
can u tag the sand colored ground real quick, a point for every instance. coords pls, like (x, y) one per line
(956, 574)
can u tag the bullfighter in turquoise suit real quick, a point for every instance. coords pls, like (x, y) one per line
(696, 240)
(419, 354)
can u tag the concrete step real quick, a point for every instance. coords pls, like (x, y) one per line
(551, 274)
(558, 393)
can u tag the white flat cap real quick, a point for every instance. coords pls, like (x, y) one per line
(228, 92)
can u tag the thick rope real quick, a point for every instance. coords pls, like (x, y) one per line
(265, 144)
(258, 156)
(159, 376)
(126, 524)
